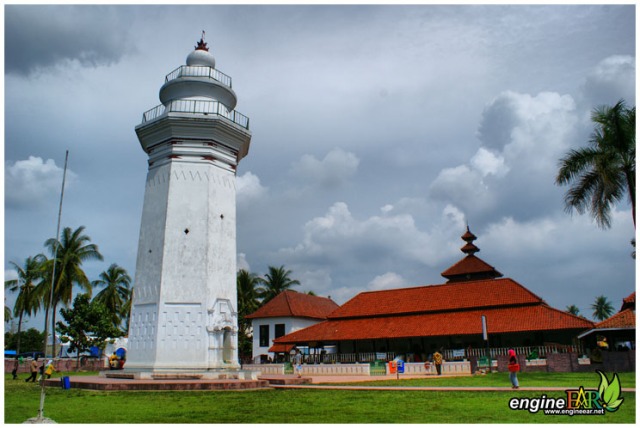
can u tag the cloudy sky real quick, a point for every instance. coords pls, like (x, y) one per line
(379, 133)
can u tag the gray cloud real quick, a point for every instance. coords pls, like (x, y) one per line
(378, 133)
(38, 38)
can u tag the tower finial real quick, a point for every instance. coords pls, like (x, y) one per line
(202, 46)
(469, 247)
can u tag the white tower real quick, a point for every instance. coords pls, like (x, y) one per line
(184, 315)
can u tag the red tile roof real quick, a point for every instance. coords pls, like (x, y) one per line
(472, 266)
(279, 348)
(290, 303)
(629, 302)
(437, 298)
(623, 319)
(535, 317)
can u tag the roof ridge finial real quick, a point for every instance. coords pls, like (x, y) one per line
(202, 46)
(469, 248)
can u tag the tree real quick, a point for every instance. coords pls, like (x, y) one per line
(88, 323)
(116, 282)
(602, 308)
(31, 340)
(573, 310)
(603, 173)
(73, 249)
(28, 300)
(247, 288)
(126, 310)
(276, 281)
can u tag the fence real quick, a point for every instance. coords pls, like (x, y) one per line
(199, 71)
(378, 368)
(360, 357)
(538, 351)
(204, 107)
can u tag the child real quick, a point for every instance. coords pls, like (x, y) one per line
(49, 369)
(514, 367)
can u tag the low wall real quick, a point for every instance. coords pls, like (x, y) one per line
(359, 369)
(61, 364)
(614, 361)
(265, 369)
(448, 367)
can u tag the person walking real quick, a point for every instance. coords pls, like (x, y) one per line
(298, 362)
(33, 369)
(49, 369)
(437, 361)
(16, 366)
(514, 368)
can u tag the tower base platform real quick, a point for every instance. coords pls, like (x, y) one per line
(126, 383)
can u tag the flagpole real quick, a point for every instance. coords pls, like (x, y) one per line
(53, 276)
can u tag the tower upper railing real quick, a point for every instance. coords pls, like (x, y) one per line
(199, 71)
(196, 106)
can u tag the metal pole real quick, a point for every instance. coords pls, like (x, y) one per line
(53, 276)
(485, 336)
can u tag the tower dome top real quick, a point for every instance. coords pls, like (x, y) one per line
(201, 55)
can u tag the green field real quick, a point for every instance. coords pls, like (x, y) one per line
(313, 406)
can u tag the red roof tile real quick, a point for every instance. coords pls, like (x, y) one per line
(470, 265)
(290, 303)
(629, 302)
(279, 348)
(435, 298)
(623, 319)
(536, 317)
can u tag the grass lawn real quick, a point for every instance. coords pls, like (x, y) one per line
(310, 406)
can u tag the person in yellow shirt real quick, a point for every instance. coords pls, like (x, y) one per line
(437, 361)
(49, 369)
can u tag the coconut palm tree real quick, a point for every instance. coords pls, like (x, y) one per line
(602, 308)
(247, 284)
(73, 249)
(603, 173)
(275, 282)
(573, 310)
(126, 310)
(26, 285)
(247, 288)
(117, 287)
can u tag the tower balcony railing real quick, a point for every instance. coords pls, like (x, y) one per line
(204, 107)
(199, 71)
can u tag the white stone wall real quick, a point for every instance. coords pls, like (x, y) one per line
(291, 324)
(185, 277)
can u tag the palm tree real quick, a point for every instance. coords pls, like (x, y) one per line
(573, 310)
(603, 173)
(247, 285)
(276, 281)
(602, 308)
(26, 285)
(73, 249)
(247, 288)
(117, 283)
(126, 310)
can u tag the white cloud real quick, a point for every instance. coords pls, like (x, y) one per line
(613, 78)
(522, 137)
(242, 263)
(249, 188)
(375, 242)
(332, 171)
(33, 182)
(387, 281)
(488, 163)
